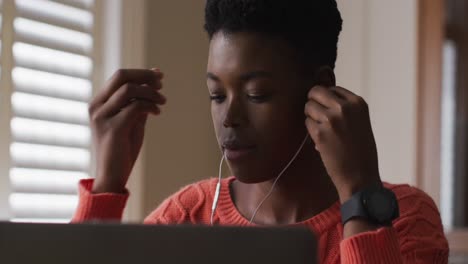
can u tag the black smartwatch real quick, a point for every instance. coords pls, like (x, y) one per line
(376, 204)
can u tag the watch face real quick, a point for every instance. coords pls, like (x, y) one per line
(381, 205)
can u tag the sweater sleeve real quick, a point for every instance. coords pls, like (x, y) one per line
(98, 207)
(417, 236)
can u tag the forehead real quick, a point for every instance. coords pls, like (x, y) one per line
(245, 51)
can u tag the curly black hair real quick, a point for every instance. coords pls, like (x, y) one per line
(311, 27)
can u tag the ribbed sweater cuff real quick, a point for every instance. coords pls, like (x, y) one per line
(103, 206)
(380, 246)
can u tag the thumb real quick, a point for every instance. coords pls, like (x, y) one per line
(325, 77)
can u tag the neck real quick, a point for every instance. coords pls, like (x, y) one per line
(304, 190)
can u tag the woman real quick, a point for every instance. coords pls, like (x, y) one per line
(301, 148)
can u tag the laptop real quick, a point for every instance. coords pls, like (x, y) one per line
(22, 243)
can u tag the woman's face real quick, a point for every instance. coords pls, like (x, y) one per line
(257, 103)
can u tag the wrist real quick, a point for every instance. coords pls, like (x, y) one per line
(103, 186)
(370, 209)
(357, 226)
(346, 191)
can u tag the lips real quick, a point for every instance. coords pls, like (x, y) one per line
(237, 150)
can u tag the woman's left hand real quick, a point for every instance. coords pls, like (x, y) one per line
(338, 122)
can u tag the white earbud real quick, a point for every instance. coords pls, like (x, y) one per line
(218, 187)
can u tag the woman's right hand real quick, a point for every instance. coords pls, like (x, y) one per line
(118, 115)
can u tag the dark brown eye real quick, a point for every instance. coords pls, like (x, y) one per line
(217, 98)
(258, 98)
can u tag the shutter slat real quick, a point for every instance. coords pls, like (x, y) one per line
(82, 4)
(41, 220)
(45, 181)
(52, 85)
(52, 36)
(74, 49)
(57, 14)
(27, 205)
(49, 157)
(49, 60)
(49, 109)
(50, 133)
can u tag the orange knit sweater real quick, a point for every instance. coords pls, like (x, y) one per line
(416, 237)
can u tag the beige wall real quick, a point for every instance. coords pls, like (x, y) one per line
(180, 144)
(377, 59)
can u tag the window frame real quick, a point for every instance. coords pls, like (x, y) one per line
(8, 14)
(431, 22)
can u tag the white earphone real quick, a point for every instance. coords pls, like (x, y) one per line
(218, 185)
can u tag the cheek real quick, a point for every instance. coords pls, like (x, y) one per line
(261, 118)
(279, 126)
(216, 118)
(272, 118)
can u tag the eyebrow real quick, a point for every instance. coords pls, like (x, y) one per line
(244, 77)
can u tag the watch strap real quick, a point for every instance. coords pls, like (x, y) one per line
(353, 208)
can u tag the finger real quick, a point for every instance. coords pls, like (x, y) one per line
(132, 113)
(158, 71)
(324, 96)
(315, 111)
(127, 94)
(344, 93)
(314, 131)
(122, 76)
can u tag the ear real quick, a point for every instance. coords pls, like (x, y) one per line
(325, 77)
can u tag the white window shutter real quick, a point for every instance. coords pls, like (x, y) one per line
(51, 80)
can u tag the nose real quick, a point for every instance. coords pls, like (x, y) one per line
(235, 114)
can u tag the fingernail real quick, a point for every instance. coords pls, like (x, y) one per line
(163, 98)
(157, 70)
